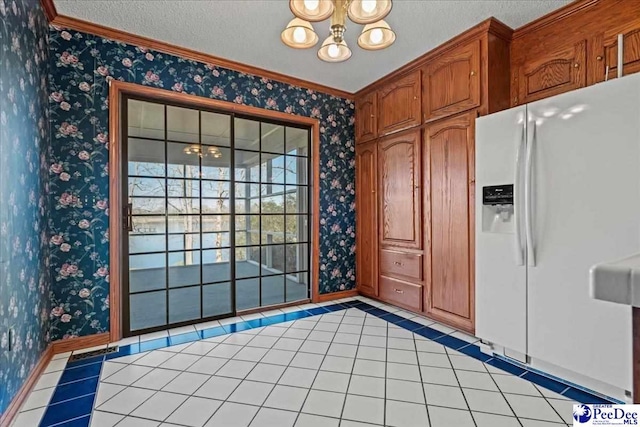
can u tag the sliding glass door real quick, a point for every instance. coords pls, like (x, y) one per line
(217, 215)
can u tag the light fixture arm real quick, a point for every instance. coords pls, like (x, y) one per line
(339, 19)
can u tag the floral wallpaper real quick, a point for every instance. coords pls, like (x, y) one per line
(24, 137)
(81, 66)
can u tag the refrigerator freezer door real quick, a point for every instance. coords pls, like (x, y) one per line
(501, 295)
(585, 210)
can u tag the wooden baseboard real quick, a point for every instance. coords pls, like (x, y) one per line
(336, 295)
(14, 407)
(63, 346)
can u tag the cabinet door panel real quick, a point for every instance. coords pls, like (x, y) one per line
(449, 267)
(366, 124)
(606, 52)
(399, 104)
(557, 72)
(366, 219)
(399, 191)
(452, 82)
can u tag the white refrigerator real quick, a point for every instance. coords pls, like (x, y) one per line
(558, 190)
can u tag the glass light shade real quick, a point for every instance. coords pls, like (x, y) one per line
(368, 11)
(330, 51)
(299, 34)
(311, 10)
(376, 36)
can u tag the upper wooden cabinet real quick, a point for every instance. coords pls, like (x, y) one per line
(399, 104)
(399, 208)
(366, 219)
(449, 160)
(366, 121)
(552, 73)
(451, 82)
(605, 52)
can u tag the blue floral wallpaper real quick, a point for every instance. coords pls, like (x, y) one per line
(24, 137)
(81, 66)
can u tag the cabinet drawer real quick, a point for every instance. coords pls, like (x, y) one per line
(394, 263)
(403, 294)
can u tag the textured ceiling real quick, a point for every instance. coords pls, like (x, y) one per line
(248, 31)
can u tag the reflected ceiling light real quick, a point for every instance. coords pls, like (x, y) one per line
(376, 36)
(299, 34)
(197, 150)
(332, 51)
(368, 11)
(312, 10)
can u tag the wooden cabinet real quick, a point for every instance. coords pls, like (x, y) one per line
(366, 219)
(399, 104)
(552, 73)
(449, 202)
(451, 82)
(399, 207)
(401, 264)
(605, 52)
(400, 293)
(366, 121)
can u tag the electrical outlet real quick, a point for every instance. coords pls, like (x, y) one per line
(10, 339)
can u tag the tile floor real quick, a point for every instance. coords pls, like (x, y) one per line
(350, 364)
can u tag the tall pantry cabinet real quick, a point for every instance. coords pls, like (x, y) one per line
(415, 174)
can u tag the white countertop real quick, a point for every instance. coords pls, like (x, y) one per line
(617, 281)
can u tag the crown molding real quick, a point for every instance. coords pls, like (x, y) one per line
(68, 22)
(554, 16)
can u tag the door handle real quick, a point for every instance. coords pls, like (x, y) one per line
(528, 195)
(398, 291)
(519, 249)
(128, 217)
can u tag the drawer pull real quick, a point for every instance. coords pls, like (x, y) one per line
(397, 262)
(398, 291)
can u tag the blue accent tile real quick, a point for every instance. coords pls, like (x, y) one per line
(317, 310)
(377, 312)
(583, 396)
(78, 422)
(393, 318)
(237, 327)
(73, 390)
(429, 333)
(296, 315)
(352, 303)
(545, 382)
(276, 318)
(83, 362)
(334, 307)
(75, 374)
(154, 344)
(409, 325)
(125, 350)
(452, 342)
(213, 332)
(266, 321)
(473, 351)
(67, 411)
(184, 338)
(506, 366)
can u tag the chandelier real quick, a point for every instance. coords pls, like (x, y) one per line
(376, 34)
(197, 149)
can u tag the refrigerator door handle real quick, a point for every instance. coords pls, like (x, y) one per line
(519, 249)
(528, 195)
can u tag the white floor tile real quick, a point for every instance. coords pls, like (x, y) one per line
(267, 417)
(263, 341)
(342, 350)
(199, 348)
(343, 338)
(307, 360)
(396, 332)
(298, 377)
(401, 356)
(180, 362)
(48, 380)
(337, 364)
(251, 354)
(371, 368)
(273, 331)
(400, 371)
(186, 383)
(29, 418)
(154, 336)
(550, 394)
(367, 386)
(126, 401)
(218, 388)
(38, 399)
(238, 339)
(306, 420)
(286, 397)
(194, 412)
(464, 337)
(56, 365)
(350, 329)
(479, 380)
(428, 346)
(207, 365)
(90, 349)
(159, 406)
(225, 350)
(104, 419)
(137, 422)
(487, 401)
(440, 376)
(364, 409)
(232, 415)
(317, 347)
(321, 336)
(296, 333)
(371, 353)
(515, 385)
(535, 408)
(129, 359)
(564, 408)
(467, 363)
(374, 331)
(490, 420)
(373, 341)
(331, 381)
(442, 395)
(403, 414)
(156, 379)
(251, 393)
(406, 391)
(182, 330)
(64, 355)
(236, 369)
(105, 392)
(446, 417)
(326, 327)
(207, 325)
(154, 358)
(252, 316)
(442, 328)
(266, 373)
(536, 423)
(434, 359)
(290, 344)
(401, 344)
(324, 403)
